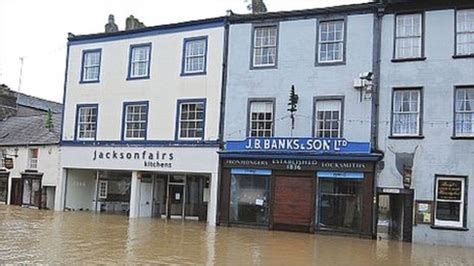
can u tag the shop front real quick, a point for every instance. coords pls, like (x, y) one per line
(31, 184)
(4, 186)
(160, 182)
(298, 187)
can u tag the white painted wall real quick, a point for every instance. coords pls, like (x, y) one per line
(164, 87)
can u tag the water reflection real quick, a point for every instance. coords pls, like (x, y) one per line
(32, 236)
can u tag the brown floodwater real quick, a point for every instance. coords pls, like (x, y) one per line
(33, 236)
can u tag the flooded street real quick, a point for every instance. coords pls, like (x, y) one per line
(32, 236)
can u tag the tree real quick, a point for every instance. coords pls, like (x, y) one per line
(49, 120)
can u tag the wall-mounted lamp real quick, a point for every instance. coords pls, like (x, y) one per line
(364, 84)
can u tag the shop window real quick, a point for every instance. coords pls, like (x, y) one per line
(86, 122)
(265, 46)
(331, 41)
(406, 114)
(31, 192)
(464, 112)
(249, 198)
(33, 158)
(465, 32)
(136, 119)
(450, 201)
(328, 116)
(340, 203)
(408, 36)
(102, 189)
(3, 187)
(139, 65)
(191, 120)
(194, 56)
(261, 119)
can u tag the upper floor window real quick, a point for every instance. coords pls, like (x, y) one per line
(194, 56)
(261, 119)
(91, 65)
(450, 201)
(465, 32)
(265, 46)
(135, 121)
(139, 65)
(328, 116)
(408, 36)
(464, 112)
(331, 41)
(406, 112)
(86, 122)
(33, 158)
(191, 119)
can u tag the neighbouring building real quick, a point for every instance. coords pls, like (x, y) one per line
(319, 176)
(141, 120)
(29, 149)
(427, 121)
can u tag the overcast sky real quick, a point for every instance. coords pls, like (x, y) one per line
(37, 30)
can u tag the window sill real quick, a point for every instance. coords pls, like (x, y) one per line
(463, 56)
(400, 60)
(138, 78)
(436, 227)
(462, 137)
(318, 64)
(262, 67)
(88, 81)
(193, 74)
(406, 137)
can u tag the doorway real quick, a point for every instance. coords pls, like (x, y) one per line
(395, 214)
(15, 196)
(176, 201)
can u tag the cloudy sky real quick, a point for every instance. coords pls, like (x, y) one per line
(36, 30)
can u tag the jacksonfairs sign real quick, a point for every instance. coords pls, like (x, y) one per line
(314, 145)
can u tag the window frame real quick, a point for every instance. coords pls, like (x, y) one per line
(252, 45)
(423, 31)
(318, 41)
(455, 134)
(249, 108)
(419, 133)
(183, 57)
(340, 98)
(77, 128)
(99, 191)
(461, 224)
(124, 120)
(456, 55)
(84, 53)
(30, 159)
(178, 119)
(130, 63)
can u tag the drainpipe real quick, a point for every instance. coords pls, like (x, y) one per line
(376, 61)
(222, 111)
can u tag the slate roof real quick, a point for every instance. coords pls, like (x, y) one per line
(38, 103)
(30, 130)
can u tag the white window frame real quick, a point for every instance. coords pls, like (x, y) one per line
(264, 121)
(400, 35)
(190, 56)
(90, 65)
(195, 120)
(134, 60)
(322, 42)
(86, 123)
(339, 121)
(33, 162)
(463, 112)
(262, 47)
(103, 186)
(460, 222)
(464, 31)
(396, 113)
(127, 122)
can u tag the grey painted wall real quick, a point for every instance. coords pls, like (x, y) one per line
(436, 153)
(296, 66)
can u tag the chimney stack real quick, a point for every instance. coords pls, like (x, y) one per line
(8, 105)
(132, 23)
(111, 26)
(258, 6)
